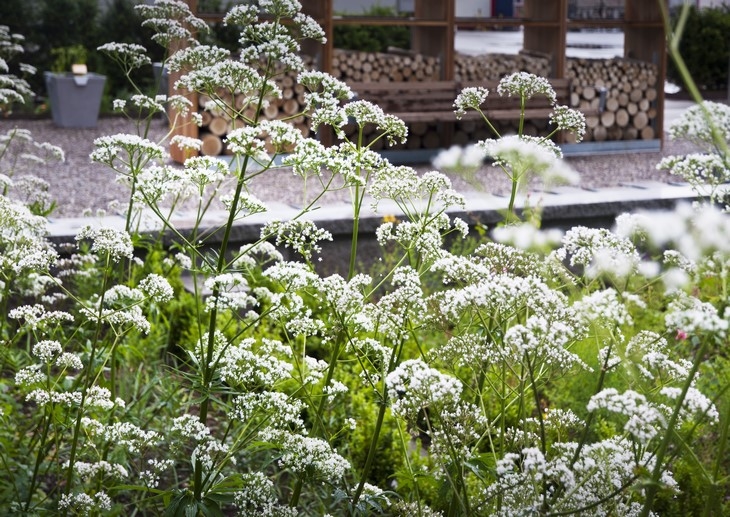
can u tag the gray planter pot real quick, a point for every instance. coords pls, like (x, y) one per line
(75, 99)
(161, 77)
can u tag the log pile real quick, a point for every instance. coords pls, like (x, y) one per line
(217, 123)
(397, 65)
(492, 67)
(629, 90)
(629, 93)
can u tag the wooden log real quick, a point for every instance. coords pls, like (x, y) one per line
(218, 126)
(592, 121)
(640, 120)
(647, 133)
(608, 118)
(290, 107)
(631, 133)
(622, 118)
(636, 95)
(432, 140)
(418, 128)
(600, 133)
(614, 133)
(212, 145)
(612, 104)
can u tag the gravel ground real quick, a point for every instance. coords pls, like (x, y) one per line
(78, 184)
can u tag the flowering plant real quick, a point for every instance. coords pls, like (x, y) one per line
(562, 374)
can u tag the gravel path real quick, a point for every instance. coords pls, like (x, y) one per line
(79, 184)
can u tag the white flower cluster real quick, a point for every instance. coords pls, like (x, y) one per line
(129, 55)
(600, 251)
(279, 410)
(156, 287)
(230, 291)
(696, 124)
(85, 504)
(100, 468)
(693, 316)
(650, 353)
(100, 397)
(125, 435)
(151, 478)
(308, 456)
(589, 486)
(644, 421)
(525, 85)
(707, 126)
(171, 20)
(258, 497)
(398, 310)
(469, 98)
(523, 157)
(36, 316)
(568, 119)
(243, 364)
(257, 254)
(323, 98)
(126, 153)
(527, 236)
(300, 235)
(547, 338)
(108, 241)
(23, 240)
(604, 307)
(414, 386)
(363, 112)
(12, 88)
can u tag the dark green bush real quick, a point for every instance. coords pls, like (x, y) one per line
(705, 47)
(372, 38)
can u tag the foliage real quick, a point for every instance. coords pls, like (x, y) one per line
(529, 372)
(371, 38)
(64, 57)
(52, 24)
(706, 47)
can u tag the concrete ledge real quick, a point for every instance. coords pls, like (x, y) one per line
(564, 206)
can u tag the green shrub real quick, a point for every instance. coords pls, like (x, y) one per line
(705, 46)
(372, 38)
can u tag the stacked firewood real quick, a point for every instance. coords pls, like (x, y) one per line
(217, 123)
(396, 65)
(491, 67)
(618, 95)
(625, 89)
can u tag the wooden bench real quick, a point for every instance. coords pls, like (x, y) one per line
(434, 101)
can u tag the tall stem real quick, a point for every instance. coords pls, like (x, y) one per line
(653, 485)
(88, 379)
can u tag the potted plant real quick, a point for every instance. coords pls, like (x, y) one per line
(73, 92)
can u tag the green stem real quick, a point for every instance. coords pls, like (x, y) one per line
(394, 360)
(355, 233)
(89, 378)
(653, 484)
(39, 458)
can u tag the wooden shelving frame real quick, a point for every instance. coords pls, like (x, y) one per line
(545, 27)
